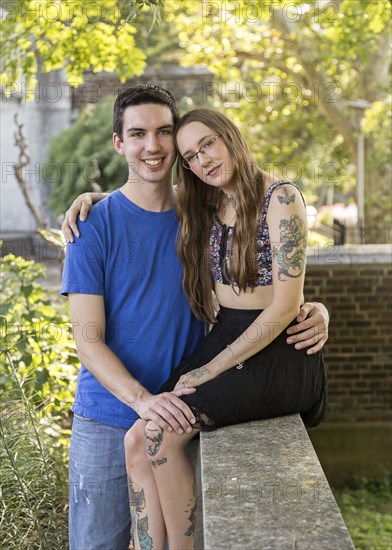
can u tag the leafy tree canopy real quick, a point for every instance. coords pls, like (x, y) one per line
(77, 35)
(286, 71)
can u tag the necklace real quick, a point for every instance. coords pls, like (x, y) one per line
(230, 200)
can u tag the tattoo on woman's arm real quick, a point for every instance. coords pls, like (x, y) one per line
(287, 198)
(200, 372)
(290, 254)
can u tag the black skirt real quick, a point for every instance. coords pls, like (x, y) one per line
(276, 381)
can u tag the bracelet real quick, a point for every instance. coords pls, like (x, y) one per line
(239, 365)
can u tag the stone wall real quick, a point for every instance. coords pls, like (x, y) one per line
(190, 82)
(355, 283)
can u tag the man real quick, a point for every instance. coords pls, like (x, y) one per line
(131, 319)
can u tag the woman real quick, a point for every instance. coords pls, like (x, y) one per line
(245, 239)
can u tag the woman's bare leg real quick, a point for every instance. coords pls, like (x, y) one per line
(175, 481)
(148, 529)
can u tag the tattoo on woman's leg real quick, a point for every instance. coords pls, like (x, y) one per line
(144, 538)
(159, 461)
(190, 532)
(139, 526)
(153, 441)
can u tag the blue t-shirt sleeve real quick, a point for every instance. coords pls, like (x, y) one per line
(84, 263)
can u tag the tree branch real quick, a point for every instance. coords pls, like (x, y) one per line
(374, 79)
(24, 160)
(336, 113)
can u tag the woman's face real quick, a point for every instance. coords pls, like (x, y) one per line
(207, 155)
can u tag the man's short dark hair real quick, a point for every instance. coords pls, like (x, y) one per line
(142, 94)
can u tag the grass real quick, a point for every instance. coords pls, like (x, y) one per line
(367, 510)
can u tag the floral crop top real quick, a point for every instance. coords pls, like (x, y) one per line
(220, 246)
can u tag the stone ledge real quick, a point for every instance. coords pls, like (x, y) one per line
(30, 246)
(262, 488)
(334, 255)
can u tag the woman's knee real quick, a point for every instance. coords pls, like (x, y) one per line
(134, 443)
(159, 443)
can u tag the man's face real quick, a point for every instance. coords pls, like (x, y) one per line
(148, 142)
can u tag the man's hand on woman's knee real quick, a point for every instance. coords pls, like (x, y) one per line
(168, 411)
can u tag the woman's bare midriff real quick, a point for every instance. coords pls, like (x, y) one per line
(258, 298)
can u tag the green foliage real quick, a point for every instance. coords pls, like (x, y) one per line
(367, 511)
(71, 169)
(76, 35)
(157, 38)
(37, 382)
(35, 334)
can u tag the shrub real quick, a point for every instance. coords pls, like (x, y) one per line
(37, 383)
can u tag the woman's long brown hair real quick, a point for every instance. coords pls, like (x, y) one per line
(198, 203)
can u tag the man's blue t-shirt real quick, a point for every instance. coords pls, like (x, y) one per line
(127, 255)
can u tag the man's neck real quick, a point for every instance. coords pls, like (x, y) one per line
(154, 197)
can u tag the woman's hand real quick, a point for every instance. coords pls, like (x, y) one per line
(312, 328)
(80, 207)
(195, 378)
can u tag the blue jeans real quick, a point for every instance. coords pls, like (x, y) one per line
(99, 517)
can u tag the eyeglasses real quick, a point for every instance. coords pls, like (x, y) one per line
(208, 145)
